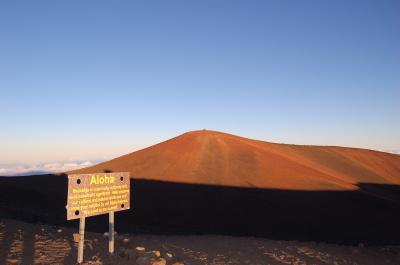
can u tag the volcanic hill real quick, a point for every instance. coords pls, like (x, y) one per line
(216, 158)
(207, 182)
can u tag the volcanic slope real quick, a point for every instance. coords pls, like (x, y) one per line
(216, 158)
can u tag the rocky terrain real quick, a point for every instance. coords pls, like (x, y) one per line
(24, 243)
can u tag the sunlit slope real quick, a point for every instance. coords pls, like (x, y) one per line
(209, 157)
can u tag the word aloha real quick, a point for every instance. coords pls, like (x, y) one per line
(96, 179)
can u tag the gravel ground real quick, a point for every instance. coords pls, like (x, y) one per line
(25, 243)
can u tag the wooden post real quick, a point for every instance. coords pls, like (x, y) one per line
(81, 239)
(111, 233)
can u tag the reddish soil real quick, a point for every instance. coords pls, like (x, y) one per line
(215, 158)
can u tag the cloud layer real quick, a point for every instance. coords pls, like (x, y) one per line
(56, 167)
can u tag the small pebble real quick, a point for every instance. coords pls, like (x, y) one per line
(160, 261)
(140, 249)
(76, 237)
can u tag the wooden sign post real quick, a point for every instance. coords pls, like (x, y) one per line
(111, 233)
(81, 239)
(95, 194)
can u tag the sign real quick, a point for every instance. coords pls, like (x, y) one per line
(95, 194)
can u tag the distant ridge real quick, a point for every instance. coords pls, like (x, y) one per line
(216, 158)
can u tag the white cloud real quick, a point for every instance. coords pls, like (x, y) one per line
(397, 152)
(57, 167)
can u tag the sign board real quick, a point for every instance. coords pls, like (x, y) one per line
(99, 193)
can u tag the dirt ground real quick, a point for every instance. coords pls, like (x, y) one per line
(25, 243)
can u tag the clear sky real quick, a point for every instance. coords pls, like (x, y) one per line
(86, 80)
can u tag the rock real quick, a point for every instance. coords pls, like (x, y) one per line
(156, 253)
(169, 258)
(144, 260)
(121, 252)
(125, 240)
(89, 243)
(140, 250)
(160, 261)
(77, 237)
(59, 230)
(178, 263)
(127, 253)
(106, 234)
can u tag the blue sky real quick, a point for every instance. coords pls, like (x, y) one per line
(91, 80)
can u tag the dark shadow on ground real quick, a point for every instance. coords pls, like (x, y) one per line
(370, 215)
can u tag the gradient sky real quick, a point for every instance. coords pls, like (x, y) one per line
(85, 80)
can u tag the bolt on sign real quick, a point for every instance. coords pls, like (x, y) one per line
(95, 194)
